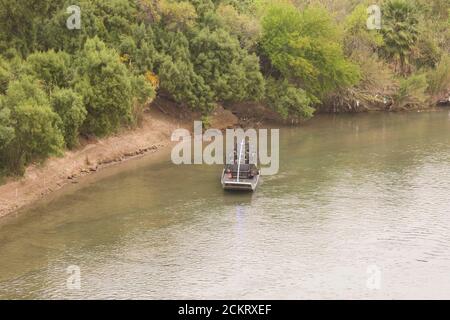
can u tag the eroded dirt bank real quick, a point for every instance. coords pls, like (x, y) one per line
(153, 134)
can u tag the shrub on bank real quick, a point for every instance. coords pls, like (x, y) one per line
(411, 93)
(439, 80)
(69, 106)
(105, 85)
(29, 128)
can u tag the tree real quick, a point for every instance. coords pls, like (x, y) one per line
(243, 26)
(426, 52)
(5, 75)
(304, 47)
(399, 31)
(6, 136)
(105, 84)
(242, 6)
(26, 110)
(439, 80)
(180, 81)
(107, 20)
(179, 15)
(24, 90)
(53, 68)
(204, 8)
(144, 91)
(208, 68)
(376, 79)
(230, 71)
(6, 132)
(288, 100)
(357, 37)
(21, 23)
(411, 93)
(138, 50)
(69, 106)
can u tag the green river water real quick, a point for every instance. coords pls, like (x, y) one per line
(354, 194)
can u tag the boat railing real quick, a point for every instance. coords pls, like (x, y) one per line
(239, 161)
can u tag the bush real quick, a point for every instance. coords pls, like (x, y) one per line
(6, 131)
(143, 93)
(28, 125)
(178, 78)
(53, 68)
(180, 81)
(138, 50)
(232, 74)
(305, 48)
(245, 27)
(179, 15)
(411, 93)
(69, 106)
(5, 75)
(373, 92)
(288, 100)
(108, 20)
(24, 90)
(400, 31)
(439, 80)
(143, 90)
(357, 38)
(105, 85)
(426, 52)
(208, 68)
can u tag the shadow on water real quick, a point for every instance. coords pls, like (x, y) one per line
(238, 197)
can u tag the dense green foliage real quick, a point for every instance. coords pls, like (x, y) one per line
(52, 68)
(28, 125)
(294, 56)
(70, 108)
(105, 84)
(304, 47)
(399, 30)
(287, 99)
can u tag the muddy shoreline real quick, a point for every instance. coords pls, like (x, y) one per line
(152, 135)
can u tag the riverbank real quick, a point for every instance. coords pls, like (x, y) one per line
(152, 135)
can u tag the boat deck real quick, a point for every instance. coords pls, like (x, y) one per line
(232, 183)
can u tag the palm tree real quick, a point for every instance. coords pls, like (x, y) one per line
(399, 30)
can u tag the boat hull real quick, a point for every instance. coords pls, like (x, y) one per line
(241, 185)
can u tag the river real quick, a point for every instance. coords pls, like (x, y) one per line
(359, 209)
